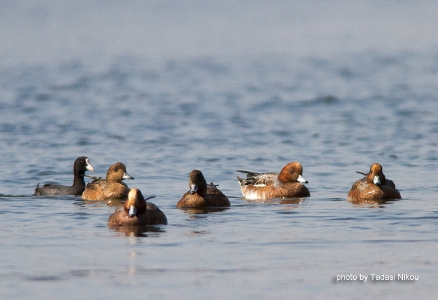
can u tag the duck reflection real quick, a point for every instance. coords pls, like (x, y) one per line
(138, 231)
(278, 201)
(373, 203)
(203, 210)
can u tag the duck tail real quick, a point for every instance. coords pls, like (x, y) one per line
(36, 189)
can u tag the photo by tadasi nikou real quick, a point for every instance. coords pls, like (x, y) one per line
(376, 277)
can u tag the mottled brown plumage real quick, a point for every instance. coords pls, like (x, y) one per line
(286, 184)
(137, 212)
(201, 195)
(374, 186)
(111, 187)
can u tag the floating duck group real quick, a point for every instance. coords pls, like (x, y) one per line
(137, 211)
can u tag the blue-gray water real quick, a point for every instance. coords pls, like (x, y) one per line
(167, 87)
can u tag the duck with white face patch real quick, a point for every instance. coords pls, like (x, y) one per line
(373, 187)
(286, 184)
(202, 195)
(137, 212)
(109, 188)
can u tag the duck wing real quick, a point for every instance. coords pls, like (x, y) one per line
(254, 178)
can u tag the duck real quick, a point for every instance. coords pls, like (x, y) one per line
(374, 186)
(80, 166)
(111, 188)
(289, 183)
(201, 194)
(137, 212)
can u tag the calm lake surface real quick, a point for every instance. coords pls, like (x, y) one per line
(217, 86)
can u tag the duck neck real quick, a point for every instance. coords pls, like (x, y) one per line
(202, 188)
(79, 179)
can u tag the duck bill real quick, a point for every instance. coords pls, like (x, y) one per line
(127, 176)
(193, 188)
(301, 179)
(132, 211)
(376, 180)
(89, 166)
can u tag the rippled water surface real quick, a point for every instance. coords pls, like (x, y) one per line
(219, 88)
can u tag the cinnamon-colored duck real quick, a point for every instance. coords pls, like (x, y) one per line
(201, 194)
(110, 188)
(137, 212)
(286, 184)
(374, 186)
